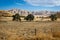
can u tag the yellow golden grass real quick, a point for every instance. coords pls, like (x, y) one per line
(46, 30)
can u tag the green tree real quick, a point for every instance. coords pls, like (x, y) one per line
(13, 18)
(30, 17)
(53, 17)
(16, 17)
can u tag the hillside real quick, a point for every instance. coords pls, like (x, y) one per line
(5, 13)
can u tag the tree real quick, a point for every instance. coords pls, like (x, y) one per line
(16, 17)
(13, 18)
(30, 17)
(53, 17)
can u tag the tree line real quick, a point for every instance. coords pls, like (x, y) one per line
(30, 17)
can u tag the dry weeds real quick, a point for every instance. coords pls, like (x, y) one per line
(45, 30)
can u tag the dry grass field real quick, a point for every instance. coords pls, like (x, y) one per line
(35, 30)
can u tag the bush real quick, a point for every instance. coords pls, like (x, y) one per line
(13, 17)
(30, 17)
(16, 17)
(53, 17)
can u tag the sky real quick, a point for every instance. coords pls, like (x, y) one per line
(31, 5)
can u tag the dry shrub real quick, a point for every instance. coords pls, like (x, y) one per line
(56, 30)
(15, 37)
(45, 36)
(56, 34)
(42, 36)
(3, 36)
